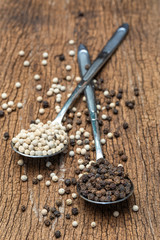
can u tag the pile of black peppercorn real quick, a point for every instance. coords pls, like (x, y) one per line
(104, 182)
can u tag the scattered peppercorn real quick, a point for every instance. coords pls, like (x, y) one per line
(79, 122)
(115, 111)
(120, 152)
(67, 190)
(119, 96)
(53, 209)
(35, 181)
(116, 134)
(57, 234)
(1, 113)
(51, 217)
(61, 57)
(23, 208)
(125, 125)
(47, 222)
(45, 104)
(124, 158)
(57, 213)
(58, 202)
(6, 136)
(68, 216)
(75, 211)
(67, 182)
(80, 14)
(74, 181)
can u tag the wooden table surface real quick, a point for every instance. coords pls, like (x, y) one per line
(36, 26)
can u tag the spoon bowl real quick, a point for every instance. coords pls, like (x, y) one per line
(107, 203)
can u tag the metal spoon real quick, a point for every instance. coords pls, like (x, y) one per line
(83, 59)
(101, 59)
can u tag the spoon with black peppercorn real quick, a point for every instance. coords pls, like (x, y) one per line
(103, 183)
(47, 140)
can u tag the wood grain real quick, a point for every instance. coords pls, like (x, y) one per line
(36, 26)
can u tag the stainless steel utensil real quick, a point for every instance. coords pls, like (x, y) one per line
(83, 60)
(101, 59)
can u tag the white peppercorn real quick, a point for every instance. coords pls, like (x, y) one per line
(39, 99)
(36, 77)
(26, 63)
(21, 53)
(45, 55)
(74, 223)
(39, 177)
(4, 106)
(69, 202)
(110, 135)
(93, 224)
(135, 208)
(24, 178)
(44, 62)
(74, 195)
(71, 53)
(71, 42)
(38, 87)
(71, 153)
(4, 95)
(55, 179)
(61, 191)
(48, 183)
(20, 162)
(18, 85)
(68, 67)
(115, 213)
(44, 212)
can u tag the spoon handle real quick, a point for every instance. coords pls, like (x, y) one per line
(101, 59)
(83, 60)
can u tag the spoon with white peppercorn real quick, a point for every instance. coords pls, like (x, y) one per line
(102, 182)
(47, 140)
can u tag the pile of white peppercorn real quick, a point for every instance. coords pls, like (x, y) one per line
(41, 139)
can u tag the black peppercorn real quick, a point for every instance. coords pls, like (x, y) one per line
(32, 122)
(109, 118)
(68, 216)
(74, 181)
(112, 93)
(23, 208)
(53, 209)
(115, 111)
(124, 158)
(1, 113)
(47, 222)
(119, 96)
(52, 216)
(125, 125)
(57, 234)
(120, 90)
(117, 103)
(108, 107)
(6, 136)
(79, 122)
(87, 66)
(45, 104)
(67, 190)
(67, 182)
(57, 213)
(75, 211)
(61, 57)
(58, 202)
(105, 130)
(72, 142)
(116, 134)
(35, 181)
(120, 152)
